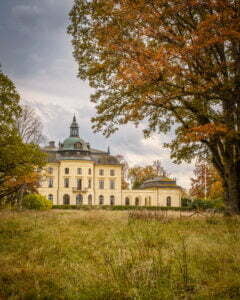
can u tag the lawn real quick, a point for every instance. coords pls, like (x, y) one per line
(70, 254)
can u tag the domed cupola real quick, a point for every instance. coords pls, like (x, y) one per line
(74, 142)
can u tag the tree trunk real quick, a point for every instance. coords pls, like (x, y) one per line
(232, 190)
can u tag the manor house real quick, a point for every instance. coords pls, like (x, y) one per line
(77, 174)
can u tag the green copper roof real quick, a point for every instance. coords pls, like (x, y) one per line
(73, 142)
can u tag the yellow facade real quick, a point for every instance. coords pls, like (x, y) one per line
(93, 192)
(79, 175)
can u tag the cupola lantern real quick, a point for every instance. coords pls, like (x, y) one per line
(74, 129)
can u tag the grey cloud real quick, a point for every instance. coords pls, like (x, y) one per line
(37, 54)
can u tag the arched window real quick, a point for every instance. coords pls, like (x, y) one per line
(66, 199)
(169, 201)
(101, 200)
(50, 197)
(79, 199)
(146, 201)
(89, 199)
(127, 201)
(112, 200)
(137, 202)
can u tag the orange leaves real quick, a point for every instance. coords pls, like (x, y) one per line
(30, 179)
(204, 132)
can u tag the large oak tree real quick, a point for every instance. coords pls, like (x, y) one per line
(171, 62)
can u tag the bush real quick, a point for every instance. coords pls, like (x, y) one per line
(120, 207)
(185, 202)
(35, 201)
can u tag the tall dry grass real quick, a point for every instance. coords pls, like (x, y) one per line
(107, 255)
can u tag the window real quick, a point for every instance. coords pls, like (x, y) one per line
(79, 199)
(112, 172)
(66, 170)
(50, 197)
(89, 183)
(101, 172)
(89, 199)
(127, 201)
(79, 171)
(137, 202)
(101, 184)
(79, 184)
(112, 184)
(50, 170)
(101, 200)
(148, 201)
(112, 200)
(169, 201)
(50, 182)
(66, 199)
(77, 146)
(66, 182)
(89, 171)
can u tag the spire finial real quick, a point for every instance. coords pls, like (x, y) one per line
(108, 150)
(74, 129)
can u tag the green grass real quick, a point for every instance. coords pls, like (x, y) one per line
(105, 255)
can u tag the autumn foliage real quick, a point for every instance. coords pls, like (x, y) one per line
(206, 182)
(170, 62)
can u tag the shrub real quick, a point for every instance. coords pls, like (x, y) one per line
(185, 202)
(35, 201)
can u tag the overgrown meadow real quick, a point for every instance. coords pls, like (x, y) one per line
(66, 254)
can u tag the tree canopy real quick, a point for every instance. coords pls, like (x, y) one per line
(18, 160)
(138, 174)
(170, 62)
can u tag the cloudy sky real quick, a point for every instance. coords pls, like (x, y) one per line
(36, 53)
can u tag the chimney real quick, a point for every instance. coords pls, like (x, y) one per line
(52, 144)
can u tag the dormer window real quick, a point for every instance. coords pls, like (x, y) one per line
(78, 146)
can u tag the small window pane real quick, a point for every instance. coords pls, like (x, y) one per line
(50, 182)
(169, 201)
(127, 201)
(89, 183)
(112, 184)
(89, 199)
(101, 184)
(66, 199)
(112, 200)
(50, 170)
(50, 197)
(79, 199)
(79, 171)
(112, 172)
(79, 184)
(66, 170)
(66, 182)
(101, 200)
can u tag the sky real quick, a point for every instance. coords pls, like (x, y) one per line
(36, 53)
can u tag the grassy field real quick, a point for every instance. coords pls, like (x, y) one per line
(104, 255)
